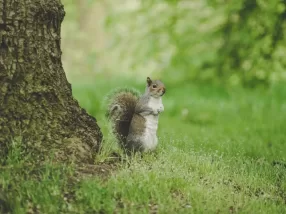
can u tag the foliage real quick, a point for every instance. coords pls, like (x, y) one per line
(237, 42)
(253, 47)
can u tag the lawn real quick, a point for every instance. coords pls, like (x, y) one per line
(221, 150)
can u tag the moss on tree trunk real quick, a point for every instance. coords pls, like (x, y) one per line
(36, 102)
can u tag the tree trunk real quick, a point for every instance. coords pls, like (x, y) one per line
(36, 103)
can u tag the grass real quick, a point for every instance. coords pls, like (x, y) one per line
(221, 150)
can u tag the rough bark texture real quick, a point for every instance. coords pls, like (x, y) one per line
(36, 102)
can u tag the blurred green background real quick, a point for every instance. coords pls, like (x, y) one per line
(223, 63)
(214, 41)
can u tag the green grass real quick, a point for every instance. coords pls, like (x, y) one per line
(220, 151)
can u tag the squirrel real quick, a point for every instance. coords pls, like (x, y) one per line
(134, 118)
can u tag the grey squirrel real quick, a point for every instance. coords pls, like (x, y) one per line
(134, 118)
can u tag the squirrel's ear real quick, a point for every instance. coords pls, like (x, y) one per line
(149, 81)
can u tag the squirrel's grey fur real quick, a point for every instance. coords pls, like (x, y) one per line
(134, 118)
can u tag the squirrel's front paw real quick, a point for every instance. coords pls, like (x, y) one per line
(161, 109)
(156, 112)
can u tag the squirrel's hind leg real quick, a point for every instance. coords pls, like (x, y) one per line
(134, 145)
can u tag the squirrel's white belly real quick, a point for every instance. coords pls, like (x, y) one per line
(156, 104)
(150, 140)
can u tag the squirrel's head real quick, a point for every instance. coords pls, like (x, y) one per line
(155, 87)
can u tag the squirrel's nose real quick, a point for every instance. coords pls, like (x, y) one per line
(163, 90)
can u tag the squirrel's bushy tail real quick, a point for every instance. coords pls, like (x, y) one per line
(120, 109)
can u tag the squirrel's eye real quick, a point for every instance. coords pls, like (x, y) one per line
(154, 86)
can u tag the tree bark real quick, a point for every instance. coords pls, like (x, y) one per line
(36, 103)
